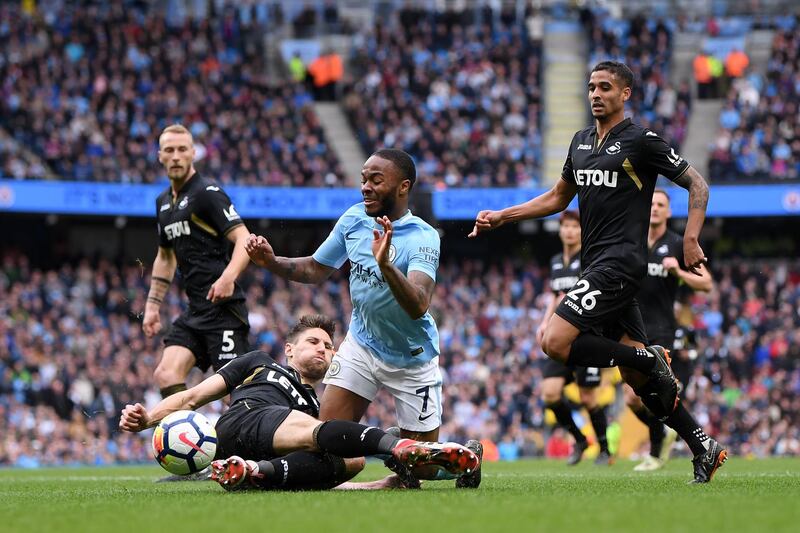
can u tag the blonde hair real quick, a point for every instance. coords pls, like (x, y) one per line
(176, 128)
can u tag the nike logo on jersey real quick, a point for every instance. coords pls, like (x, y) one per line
(595, 177)
(424, 418)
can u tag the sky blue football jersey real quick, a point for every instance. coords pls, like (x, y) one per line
(378, 322)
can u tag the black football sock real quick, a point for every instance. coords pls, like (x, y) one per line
(564, 418)
(654, 427)
(687, 427)
(593, 350)
(600, 425)
(172, 389)
(350, 439)
(301, 471)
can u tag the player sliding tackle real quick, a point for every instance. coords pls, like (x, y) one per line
(271, 436)
(613, 167)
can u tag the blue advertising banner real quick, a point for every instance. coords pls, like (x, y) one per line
(74, 198)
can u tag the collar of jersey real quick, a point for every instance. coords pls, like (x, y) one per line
(616, 129)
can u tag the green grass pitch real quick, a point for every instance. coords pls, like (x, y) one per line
(746, 495)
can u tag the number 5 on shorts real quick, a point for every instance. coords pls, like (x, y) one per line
(228, 343)
(588, 301)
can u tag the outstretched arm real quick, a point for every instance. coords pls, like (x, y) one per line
(300, 269)
(692, 181)
(555, 200)
(136, 418)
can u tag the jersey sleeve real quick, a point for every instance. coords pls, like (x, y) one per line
(216, 208)
(163, 241)
(333, 252)
(238, 370)
(566, 172)
(662, 157)
(424, 253)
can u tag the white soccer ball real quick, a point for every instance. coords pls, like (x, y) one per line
(184, 442)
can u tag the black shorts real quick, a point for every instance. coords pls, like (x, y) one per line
(211, 346)
(604, 304)
(584, 377)
(247, 430)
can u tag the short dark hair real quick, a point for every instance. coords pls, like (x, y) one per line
(569, 214)
(621, 71)
(307, 322)
(403, 162)
(664, 192)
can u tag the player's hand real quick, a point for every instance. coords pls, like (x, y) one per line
(222, 289)
(151, 325)
(671, 264)
(693, 256)
(485, 221)
(260, 250)
(134, 418)
(381, 243)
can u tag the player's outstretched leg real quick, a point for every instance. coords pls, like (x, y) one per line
(294, 471)
(233, 473)
(449, 456)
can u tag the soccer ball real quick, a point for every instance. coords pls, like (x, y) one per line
(184, 442)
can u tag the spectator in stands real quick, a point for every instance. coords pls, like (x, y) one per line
(326, 71)
(702, 75)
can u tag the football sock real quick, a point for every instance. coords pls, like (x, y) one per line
(593, 350)
(172, 389)
(600, 425)
(655, 428)
(687, 427)
(301, 471)
(564, 418)
(350, 439)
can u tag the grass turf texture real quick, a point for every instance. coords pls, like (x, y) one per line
(746, 495)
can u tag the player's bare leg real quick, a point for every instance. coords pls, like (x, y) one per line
(170, 374)
(338, 403)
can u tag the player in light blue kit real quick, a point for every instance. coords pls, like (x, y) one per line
(393, 341)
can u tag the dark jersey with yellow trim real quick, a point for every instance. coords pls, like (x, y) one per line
(659, 289)
(564, 272)
(195, 226)
(615, 178)
(255, 377)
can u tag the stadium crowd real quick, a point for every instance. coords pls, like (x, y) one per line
(759, 135)
(645, 45)
(459, 90)
(72, 354)
(88, 89)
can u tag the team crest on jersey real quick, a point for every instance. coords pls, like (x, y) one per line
(335, 368)
(184, 202)
(663, 249)
(392, 253)
(575, 264)
(614, 148)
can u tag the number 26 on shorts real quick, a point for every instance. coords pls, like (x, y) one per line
(587, 301)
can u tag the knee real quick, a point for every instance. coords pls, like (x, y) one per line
(588, 399)
(354, 465)
(551, 392)
(555, 347)
(164, 376)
